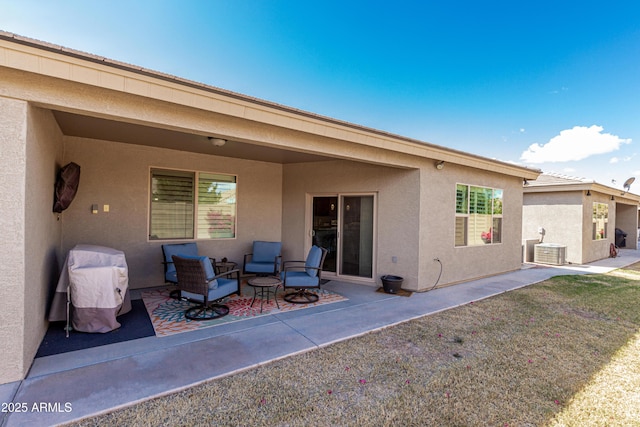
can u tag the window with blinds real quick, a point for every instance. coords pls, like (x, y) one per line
(478, 215)
(188, 205)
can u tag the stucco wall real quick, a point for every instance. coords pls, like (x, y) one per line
(561, 214)
(416, 218)
(593, 250)
(437, 231)
(397, 192)
(567, 217)
(118, 175)
(43, 230)
(13, 132)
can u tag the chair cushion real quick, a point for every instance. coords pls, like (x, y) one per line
(313, 260)
(266, 251)
(298, 279)
(224, 288)
(208, 268)
(180, 249)
(260, 267)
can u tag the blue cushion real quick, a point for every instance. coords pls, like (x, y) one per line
(298, 279)
(313, 260)
(260, 267)
(180, 249)
(208, 267)
(224, 287)
(266, 251)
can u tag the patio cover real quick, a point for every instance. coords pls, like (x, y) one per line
(95, 285)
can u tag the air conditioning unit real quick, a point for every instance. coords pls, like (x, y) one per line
(550, 253)
(528, 246)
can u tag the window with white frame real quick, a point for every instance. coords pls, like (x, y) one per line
(600, 220)
(191, 205)
(478, 215)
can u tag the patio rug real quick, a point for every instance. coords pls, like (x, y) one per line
(135, 325)
(167, 314)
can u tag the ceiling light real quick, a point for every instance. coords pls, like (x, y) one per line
(218, 142)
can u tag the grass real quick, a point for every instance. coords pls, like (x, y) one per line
(560, 353)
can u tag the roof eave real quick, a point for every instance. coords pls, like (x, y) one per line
(375, 138)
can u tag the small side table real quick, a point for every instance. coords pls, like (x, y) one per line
(268, 285)
(223, 267)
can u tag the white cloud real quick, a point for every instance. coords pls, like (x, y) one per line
(614, 160)
(574, 144)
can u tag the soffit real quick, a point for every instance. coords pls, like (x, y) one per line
(558, 186)
(111, 130)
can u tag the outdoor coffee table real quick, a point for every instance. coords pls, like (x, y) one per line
(268, 285)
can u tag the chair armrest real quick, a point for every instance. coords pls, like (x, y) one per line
(226, 274)
(302, 268)
(287, 264)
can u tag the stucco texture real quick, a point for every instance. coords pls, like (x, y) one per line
(118, 175)
(13, 132)
(397, 197)
(437, 227)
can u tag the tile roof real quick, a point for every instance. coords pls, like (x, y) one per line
(550, 178)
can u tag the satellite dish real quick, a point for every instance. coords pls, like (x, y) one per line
(627, 184)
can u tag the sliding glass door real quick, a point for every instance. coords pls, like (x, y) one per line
(344, 225)
(325, 229)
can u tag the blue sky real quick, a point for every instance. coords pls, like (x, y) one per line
(551, 85)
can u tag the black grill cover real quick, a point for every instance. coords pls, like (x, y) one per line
(66, 186)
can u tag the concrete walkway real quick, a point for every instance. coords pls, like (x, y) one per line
(84, 383)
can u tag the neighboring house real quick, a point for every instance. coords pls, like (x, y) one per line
(579, 214)
(230, 169)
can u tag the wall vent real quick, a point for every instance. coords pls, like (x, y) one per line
(550, 253)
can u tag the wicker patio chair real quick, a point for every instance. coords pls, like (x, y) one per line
(198, 284)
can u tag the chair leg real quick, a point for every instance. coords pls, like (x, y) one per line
(206, 312)
(301, 296)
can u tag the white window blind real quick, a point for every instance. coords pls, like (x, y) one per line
(478, 215)
(180, 209)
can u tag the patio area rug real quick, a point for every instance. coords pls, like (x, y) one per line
(134, 325)
(167, 314)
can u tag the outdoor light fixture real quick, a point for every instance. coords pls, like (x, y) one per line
(588, 192)
(440, 165)
(613, 198)
(525, 182)
(218, 142)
